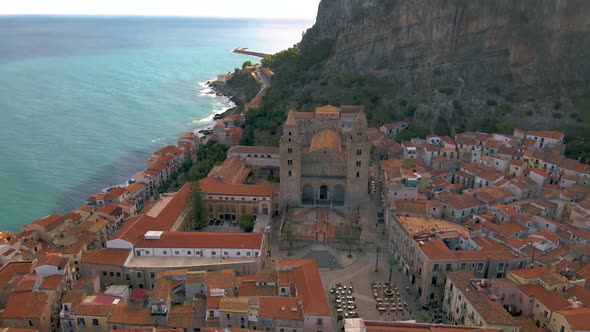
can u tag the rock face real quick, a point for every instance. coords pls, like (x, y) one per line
(542, 44)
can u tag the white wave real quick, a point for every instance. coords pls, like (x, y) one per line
(158, 139)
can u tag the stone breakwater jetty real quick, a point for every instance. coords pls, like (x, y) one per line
(244, 50)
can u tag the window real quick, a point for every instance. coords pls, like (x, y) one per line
(238, 253)
(111, 274)
(176, 252)
(94, 322)
(104, 273)
(448, 267)
(140, 285)
(545, 313)
(118, 274)
(320, 321)
(31, 323)
(289, 162)
(225, 253)
(248, 253)
(139, 274)
(290, 173)
(213, 253)
(228, 316)
(435, 268)
(359, 152)
(562, 328)
(81, 321)
(165, 252)
(289, 150)
(434, 281)
(479, 267)
(152, 275)
(358, 174)
(358, 163)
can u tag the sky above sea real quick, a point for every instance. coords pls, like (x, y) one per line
(85, 100)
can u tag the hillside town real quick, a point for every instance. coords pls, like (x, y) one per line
(353, 230)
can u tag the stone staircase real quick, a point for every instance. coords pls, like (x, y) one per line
(371, 247)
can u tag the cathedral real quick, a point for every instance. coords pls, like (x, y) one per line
(325, 157)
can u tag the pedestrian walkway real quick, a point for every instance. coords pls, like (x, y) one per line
(341, 257)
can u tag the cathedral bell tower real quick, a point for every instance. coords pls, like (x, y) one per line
(358, 152)
(290, 147)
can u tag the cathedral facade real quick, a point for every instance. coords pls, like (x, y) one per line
(325, 157)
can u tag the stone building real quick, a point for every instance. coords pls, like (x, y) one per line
(325, 157)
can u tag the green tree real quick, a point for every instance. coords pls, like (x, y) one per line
(289, 236)
(412, 132)
(246, 64)
(247, 222)
(197, 208)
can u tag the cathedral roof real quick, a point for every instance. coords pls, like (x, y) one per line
(325, 139)
(361, 117)
(328, 109)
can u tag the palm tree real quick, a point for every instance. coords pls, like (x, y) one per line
(289, 236)
(391, 262)
(378, 250)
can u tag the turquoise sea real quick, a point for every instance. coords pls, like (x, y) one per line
(84, 101)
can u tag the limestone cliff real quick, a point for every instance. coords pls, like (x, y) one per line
(426, 43)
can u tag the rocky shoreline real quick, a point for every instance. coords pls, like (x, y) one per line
(221, 89)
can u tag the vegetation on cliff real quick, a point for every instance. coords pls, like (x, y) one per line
(348, 58)
(243, 84)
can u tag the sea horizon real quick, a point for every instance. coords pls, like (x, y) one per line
(83, 104)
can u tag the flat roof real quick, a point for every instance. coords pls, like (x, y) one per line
(183, 262)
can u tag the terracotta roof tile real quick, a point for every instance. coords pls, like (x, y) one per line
(491, 311)
(309, 285)
(52, 282)
(136, 227)
(106, 256)
(23, 305)
(53, 260)
(183, 316)
(577, 318)
(234, 304)
(326, 139)
(530, 273)
(109, 209)
(222, 279)
(551, 299)
(581, 294)
(278, 307)
(216, 187)
(436, 250)
(122, 314)
(49, 222)
(548, 235)
(203, 240)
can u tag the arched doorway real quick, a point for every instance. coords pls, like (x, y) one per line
(265, 209)
(338, 195)
(307, 195)
(323, 192)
